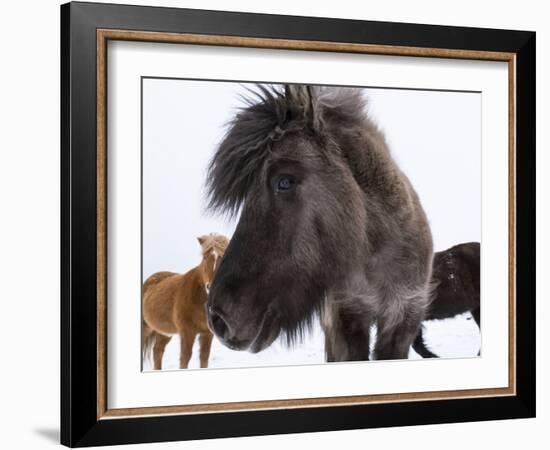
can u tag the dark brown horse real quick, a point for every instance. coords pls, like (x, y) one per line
(456, 277)
(328, 223)
(175, 304)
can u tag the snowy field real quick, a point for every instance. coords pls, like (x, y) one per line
(451, 338)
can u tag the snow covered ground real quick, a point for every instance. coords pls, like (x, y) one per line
(452, 338)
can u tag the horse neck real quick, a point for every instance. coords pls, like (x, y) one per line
(192, 281)
(193, 276)
(199, 273)
(369, 159)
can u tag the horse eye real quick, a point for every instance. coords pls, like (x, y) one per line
(284, 183)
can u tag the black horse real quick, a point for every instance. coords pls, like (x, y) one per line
(456, 280)
(328, 223)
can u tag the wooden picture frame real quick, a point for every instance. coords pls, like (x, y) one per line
(86, 418)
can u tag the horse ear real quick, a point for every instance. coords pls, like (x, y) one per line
(201, 240)
(304, 98)
(312, 108)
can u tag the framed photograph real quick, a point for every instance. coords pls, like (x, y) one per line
(278, 224)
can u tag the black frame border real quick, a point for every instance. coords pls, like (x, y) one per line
(79, 423)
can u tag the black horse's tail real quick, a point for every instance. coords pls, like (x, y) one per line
(419, 346)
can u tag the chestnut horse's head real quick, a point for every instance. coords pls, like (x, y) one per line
(213, 247)
(302, 214)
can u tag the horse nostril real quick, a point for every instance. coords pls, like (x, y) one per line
(219, 325)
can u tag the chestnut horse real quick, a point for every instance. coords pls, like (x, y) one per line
(176, 304)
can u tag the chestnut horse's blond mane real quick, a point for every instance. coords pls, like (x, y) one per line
(213, 242)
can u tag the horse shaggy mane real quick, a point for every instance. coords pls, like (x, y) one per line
(268, 114)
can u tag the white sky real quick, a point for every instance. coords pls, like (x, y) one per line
(434, 136)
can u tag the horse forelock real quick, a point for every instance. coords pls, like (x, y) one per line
(214, 242)
(270, 112)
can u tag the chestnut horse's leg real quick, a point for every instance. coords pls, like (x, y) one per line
(158, 349)
(187, 338)
(205, 340)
